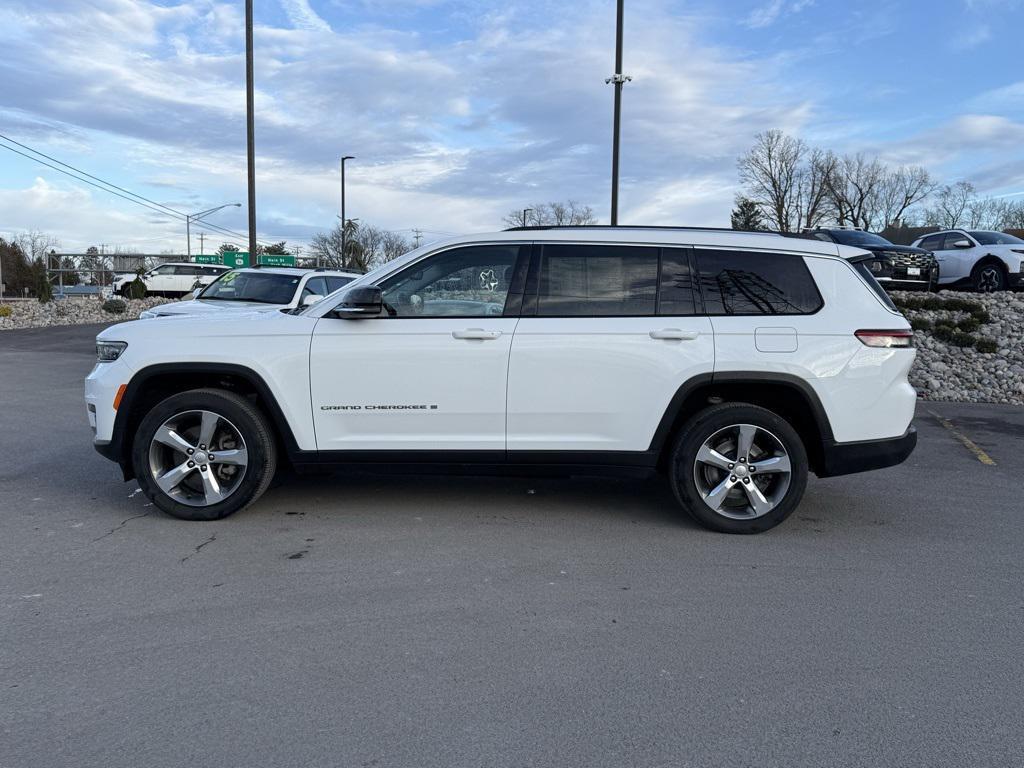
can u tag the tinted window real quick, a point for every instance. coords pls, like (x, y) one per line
(675, 295)
(315, 286)
(996, 238)
(931, 243)
(950, 238)
(856, 237)
(186, 270)
(463, 282)
(751, 283)
(597, 280)
(334, 283)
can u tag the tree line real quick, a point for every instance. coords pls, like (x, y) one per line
(789, 186)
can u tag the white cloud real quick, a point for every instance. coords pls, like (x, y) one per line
(302, 16)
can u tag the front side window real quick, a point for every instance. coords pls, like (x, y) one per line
(931, 243)
(464, 282)
(950, 240)
(334, 283)
(597, 280)
(755, 283)
(315, 286)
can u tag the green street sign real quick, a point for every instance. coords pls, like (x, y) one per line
(213, 259)
(235, 259)
(277, 259)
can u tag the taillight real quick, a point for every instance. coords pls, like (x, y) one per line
(887, 339)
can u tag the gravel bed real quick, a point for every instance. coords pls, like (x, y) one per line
(944, 371)
(32, 314)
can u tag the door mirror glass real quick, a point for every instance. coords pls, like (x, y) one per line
(362, 301)
(311, 298)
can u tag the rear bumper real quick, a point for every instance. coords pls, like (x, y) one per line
(862, 456)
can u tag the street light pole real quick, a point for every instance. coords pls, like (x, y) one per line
(344, 224)
(189, 218)
(526, 211)
(250, 129)
(618, 80)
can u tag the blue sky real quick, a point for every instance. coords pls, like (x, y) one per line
(460, 111)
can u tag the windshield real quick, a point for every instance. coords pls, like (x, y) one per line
(262, 287)
(995, 238)
(856, 237)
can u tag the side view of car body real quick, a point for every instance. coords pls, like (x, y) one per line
(980, 260)
(257, 289)
(171, 280)
(897, 266)
(732, 363)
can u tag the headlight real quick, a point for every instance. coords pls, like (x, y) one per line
(108, 351)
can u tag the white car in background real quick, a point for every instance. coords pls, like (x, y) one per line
(977, 259)
(172, 280)
(258, 289)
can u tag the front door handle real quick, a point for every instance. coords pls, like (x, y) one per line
(675, 333)
(476, 333)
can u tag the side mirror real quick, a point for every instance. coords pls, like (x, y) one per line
(963, 244)
(361, 301)
(196, 292)
(313, 298)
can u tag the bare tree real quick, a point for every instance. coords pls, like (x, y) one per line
(900, 190)
(554, 214)
(772, 172)
(951, 205)
(366, 246)
(854, 188)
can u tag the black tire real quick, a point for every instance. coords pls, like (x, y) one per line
(716, 420)
(988, 277)
(243, 416)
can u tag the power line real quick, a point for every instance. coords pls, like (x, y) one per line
(106, 186)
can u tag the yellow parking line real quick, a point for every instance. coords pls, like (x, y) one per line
(969, 444)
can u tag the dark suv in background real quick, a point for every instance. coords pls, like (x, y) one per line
(897, 266)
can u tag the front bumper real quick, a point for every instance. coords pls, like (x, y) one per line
(865, 455)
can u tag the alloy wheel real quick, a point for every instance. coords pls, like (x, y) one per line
(989, 279)
(742, 471)
(198, 458)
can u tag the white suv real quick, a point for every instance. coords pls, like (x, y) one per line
(258, 289)
(980, 260)
(734, 363)
(171, 279)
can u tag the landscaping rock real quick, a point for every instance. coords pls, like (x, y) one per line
(77, 311)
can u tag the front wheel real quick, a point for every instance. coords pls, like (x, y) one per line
(204, 454)
(739, 468)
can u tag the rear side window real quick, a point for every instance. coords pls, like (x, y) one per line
(676, 289)
(755, 283)
(597, 281)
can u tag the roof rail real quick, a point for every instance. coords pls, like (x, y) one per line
(544, 227)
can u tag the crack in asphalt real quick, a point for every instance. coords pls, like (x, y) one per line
(118, 527)
(198, 547)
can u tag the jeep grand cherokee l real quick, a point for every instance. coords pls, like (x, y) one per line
(732, 363)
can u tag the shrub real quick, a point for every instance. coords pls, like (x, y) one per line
(115, 306)
(968, 325)
(961, 339)
(920, 323)
(136, 289)
(5, 311)
(943, 332)
(44, 290)
(987, 346)
(982, 316)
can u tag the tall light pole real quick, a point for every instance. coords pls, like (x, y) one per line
(526, 211)
(250, 130)
(201, 215)
(344, 228)
(618, 80)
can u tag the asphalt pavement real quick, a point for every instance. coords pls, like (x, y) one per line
(366, 621)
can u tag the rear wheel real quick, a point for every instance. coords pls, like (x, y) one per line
(988, 277)
(739, 468)
(204, 454)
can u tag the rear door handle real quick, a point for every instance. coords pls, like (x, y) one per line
(675, 333)
(476, 333)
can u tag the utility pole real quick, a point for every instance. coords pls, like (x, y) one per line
(417, 235)
(344, 223)
(618, 80)
(250, 128)
(202, 237)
